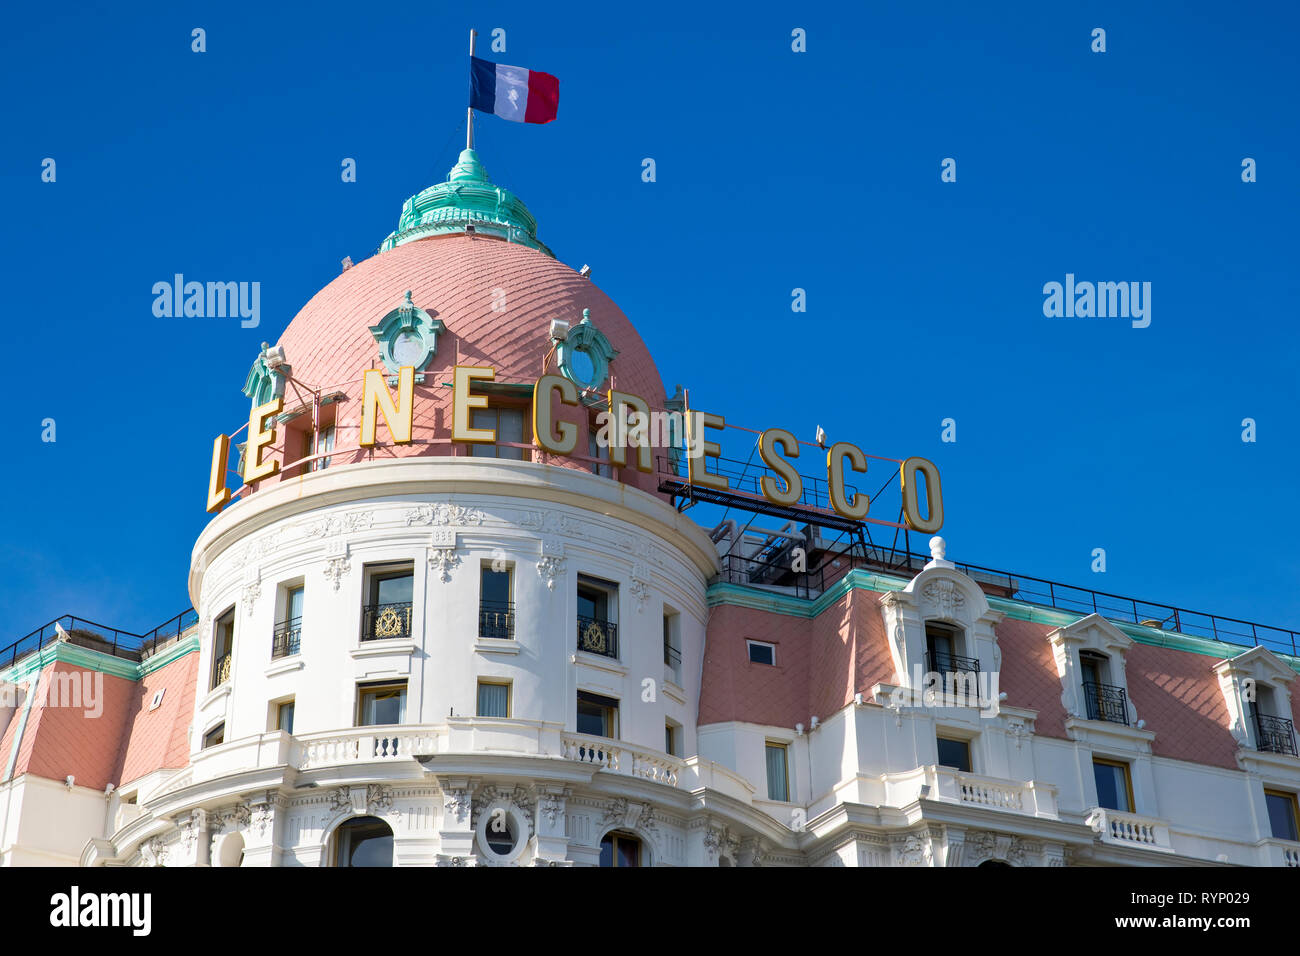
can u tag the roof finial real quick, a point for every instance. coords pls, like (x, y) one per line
(938, 550)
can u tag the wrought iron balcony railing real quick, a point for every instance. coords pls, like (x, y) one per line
(221, 670)
(287, 639)
(597, 637)
(1106, 702)
(942, 662)
(381, 622)
(1275, 735)
(496, 619)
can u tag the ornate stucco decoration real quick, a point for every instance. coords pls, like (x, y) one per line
(443, 513)
(551, 564)
(443, 558)
(912, 850)
(584, 339)
(946, 599)
(265, 382)
(458, 803)
(407, 336)
(639, 587)
(379, 798)
(337, 524)
(337, 565)
(252, 592)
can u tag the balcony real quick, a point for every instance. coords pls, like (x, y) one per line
(383, 622)
(1128, 829)
(1105, 702)
(619, 758)
(598, 637)
(1275, 735)
(949, 785)
(286, 640)
(221, 670)
(942, 662)
(496, 619)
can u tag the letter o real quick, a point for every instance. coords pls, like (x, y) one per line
(933, 496)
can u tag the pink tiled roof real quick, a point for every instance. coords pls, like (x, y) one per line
(456, 279)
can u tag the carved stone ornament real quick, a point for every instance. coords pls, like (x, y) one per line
(337, 569)
(379, 798)
(444, 513)
(341, 799)
(550, 568)
(913, 851)
(458, 804)
(945, 596)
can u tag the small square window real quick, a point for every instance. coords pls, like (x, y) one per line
(493, 699)
(672, 736)
(954, 753)
(157, 700)
(215, 736)
(761, 653)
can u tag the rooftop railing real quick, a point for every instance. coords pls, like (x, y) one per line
(98, 637)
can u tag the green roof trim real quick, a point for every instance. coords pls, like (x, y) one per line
(741, 596)
(97, 660)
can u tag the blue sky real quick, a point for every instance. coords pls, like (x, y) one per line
(776, 170)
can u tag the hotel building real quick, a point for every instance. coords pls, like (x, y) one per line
(453, 653)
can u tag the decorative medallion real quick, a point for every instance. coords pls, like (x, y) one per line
(444, 513)
(585, 353)
(945, 596)
(407, 336)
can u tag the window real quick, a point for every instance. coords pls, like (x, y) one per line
(501, 834)
(597, 616)
(215, 736)
(287, 639)
(496, 612)
(672, 648)
(1282, 814)
(388, 609)
(594, 450)
(943, 646)
(381, 704)
(493, 699)
(1103, 701)
(1273, 734)
(284, 716)
(672, 736)
(363, 841)
(620, 849)
(954, 753)
(597, 716)
(1114, 788)
(223, 643)
(778, 776)
(326, 445)
(760, 653)
(509, 426)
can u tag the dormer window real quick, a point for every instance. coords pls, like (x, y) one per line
(1256, 687)
(944, 645)
(1103, 700)
(1273, 733)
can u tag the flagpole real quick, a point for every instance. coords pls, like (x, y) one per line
(469, 112)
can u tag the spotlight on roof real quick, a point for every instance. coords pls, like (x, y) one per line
(821, 436)
(469, 229)
(69, 780)
(585, 272)
(347, 263)
(559, 330)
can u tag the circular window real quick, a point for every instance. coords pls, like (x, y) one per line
(582, 366)
(502, 832)
(408, 348)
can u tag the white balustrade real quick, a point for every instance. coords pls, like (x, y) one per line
(618, 758)
(1129, 829)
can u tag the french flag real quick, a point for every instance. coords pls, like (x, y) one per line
(513, 93)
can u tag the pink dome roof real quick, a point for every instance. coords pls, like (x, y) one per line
(455, 279)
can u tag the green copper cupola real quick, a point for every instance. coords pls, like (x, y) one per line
(466, 199)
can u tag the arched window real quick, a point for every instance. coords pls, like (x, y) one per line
(363, 841)
(620, 849)
(994, 864)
